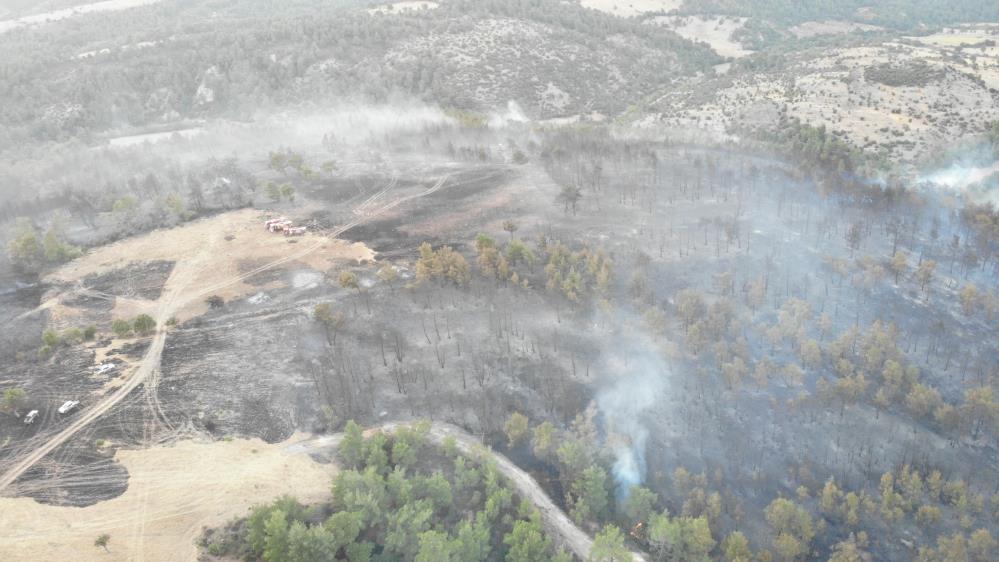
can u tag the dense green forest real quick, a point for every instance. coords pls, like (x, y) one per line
(402, 499)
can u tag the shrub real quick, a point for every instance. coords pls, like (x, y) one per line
(121, 327)
(144, 324)
(50, 338)
(72, 335)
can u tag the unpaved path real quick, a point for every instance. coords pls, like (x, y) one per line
(184, 487)
(178, 294)
(556, 522)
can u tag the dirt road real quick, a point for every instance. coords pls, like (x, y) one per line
(555, 520)
(178, 294)
(185, 486)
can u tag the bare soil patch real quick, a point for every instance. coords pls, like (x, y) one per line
(176, 490)
(239, 239)
(628, 8)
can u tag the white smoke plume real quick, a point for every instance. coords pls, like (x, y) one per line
(640, 382)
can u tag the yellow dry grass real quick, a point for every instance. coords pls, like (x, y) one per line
(173, 492)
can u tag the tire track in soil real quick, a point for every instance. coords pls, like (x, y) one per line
(175, 299)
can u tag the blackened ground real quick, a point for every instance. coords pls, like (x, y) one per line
(143, 280)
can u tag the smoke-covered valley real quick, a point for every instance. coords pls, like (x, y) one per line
(593, 286)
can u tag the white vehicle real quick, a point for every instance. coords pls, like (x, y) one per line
(68, 406)
(30, 418)
(104, 368)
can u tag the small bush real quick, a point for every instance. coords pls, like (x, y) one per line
(50, 338)
(89, 332)
(144, 324)
(121, 327)
(72, 335)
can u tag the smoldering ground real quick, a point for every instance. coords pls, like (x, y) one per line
(635, 377)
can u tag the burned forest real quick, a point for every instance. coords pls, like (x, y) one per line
(510, 280)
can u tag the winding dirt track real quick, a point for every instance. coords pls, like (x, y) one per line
(176, 297)
(554, 519)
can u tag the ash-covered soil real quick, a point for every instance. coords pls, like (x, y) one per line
(143, 280)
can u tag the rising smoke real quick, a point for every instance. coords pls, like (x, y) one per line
(638, 381)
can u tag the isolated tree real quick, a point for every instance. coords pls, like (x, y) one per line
(517, 253)
(125, 207)
(924, 273)
(922, 400)
(736, 548)
(515, 429)
(102, 541)
(55, 247)
(214, 302)
(295, 160)
(348, 280)
(690, 306)
(590, 493)
(527, 542)
(352, 445)
(969, 298)
(443, 265)
(13, 400)
(25, 249)
(981, 409)
(273, 191)
(848, 551)
(792, 526)
(144, 324)
(928, 515)
(898, 265)
(981, 546)
(121, 327)
(680, 538)
(639, 504)
(543, 441)
(830, 497)
(331, 320)
(287, 191)
(278, 161)
(276, 537)
(569, 196)
(388, 274)
(473, 539)
(608, 546)
(310, 544)
(853, 237)
(510, 227)
(435, 546)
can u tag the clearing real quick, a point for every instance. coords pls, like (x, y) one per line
(628, 8)
(55, 15)
(176, 490)
(715, 31)
(237, 238)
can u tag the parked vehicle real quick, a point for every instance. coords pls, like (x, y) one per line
(68, 406)
(30, 418)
